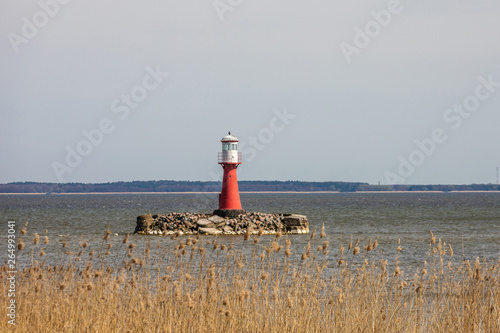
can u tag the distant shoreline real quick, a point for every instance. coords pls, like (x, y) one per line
(252, 192)
(245, 186)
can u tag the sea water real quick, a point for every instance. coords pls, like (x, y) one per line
(470, 222)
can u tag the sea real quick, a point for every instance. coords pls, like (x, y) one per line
(469, 222)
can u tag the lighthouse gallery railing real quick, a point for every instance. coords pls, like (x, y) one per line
(220, 158)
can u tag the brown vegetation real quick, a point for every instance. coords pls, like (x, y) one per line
(192, 284)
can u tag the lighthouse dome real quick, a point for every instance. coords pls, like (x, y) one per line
(229, 138)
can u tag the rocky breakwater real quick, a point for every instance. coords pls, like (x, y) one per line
(195, 223)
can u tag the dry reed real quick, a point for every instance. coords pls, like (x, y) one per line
(191, 285)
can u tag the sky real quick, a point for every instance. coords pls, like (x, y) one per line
(372, 91)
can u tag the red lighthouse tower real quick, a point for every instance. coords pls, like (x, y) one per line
(229, 198)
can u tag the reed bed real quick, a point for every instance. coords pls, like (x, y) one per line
(193, 284)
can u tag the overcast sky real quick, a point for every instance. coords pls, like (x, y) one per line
(396, 92)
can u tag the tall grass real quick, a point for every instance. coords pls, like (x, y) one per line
(203, 285)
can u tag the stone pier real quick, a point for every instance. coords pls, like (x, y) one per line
(208, 224)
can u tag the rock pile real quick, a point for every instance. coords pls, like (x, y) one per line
(194, 223)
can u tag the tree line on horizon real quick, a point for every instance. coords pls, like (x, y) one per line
(213, 186)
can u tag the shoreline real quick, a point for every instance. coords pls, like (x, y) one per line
(252, 192)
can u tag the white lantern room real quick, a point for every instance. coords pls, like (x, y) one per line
(229, 154)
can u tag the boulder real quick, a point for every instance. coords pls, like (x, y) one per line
(294, 220)
(251, 226)
(209, 231)
(278, 225)
(144, 221)
(295, 223)
(217, 220)
(204, 223)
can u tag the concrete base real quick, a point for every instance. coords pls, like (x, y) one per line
(229, 213)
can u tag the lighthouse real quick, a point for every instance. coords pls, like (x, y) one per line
(229, 198)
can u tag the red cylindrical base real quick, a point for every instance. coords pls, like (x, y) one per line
(229, 198)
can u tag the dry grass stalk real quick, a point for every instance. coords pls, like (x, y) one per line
(236, 292)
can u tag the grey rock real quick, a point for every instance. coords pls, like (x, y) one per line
(145, 220)
(294, 220)
(209, 231)
(204, 223)
(296, 223)
(217, 220)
